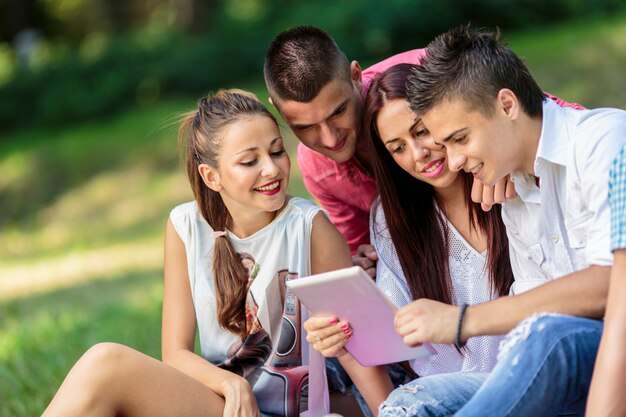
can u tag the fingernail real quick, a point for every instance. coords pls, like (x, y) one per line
(332, 320)
(344, 326)
(347, 331)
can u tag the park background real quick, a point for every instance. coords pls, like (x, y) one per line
(91, 92)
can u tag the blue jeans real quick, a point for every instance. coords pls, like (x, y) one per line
(544, 369)
(433, 395)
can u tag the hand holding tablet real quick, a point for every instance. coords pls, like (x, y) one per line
(351, 295)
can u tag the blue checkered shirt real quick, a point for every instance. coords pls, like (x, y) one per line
(617, 200)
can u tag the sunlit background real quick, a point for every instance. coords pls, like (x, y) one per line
(91, 92)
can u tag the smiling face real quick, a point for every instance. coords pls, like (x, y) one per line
(486, 147)
(329, 124)
(253, 167)
(411, 145)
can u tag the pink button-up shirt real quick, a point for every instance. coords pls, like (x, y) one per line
(343, 190)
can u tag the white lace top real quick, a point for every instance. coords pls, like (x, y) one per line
(470, 282)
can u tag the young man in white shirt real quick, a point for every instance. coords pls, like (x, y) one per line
(479, 100)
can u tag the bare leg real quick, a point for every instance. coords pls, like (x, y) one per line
(112, 379)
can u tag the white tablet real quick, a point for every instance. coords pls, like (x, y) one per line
(350, 294)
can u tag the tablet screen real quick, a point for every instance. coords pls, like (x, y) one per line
(351, 295)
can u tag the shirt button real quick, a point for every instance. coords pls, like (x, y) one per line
(555, 238)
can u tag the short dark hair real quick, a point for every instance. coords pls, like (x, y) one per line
(301, 61)
(472, 65)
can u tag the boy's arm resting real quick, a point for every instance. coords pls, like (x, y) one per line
(582, 293)
(179, 326)
(609, 376)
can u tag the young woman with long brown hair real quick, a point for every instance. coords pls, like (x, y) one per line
(432, 242)
(225, 256)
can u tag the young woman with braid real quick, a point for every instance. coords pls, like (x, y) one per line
(225, 256)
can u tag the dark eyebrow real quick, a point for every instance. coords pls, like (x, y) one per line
(410, 129)
(418, 121)
(391, 141)
(300, 126)
(256, 148)
(339, 107)
(334, 112)
(276, 139)
(447, 138)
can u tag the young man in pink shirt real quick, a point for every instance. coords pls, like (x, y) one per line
(319, 93)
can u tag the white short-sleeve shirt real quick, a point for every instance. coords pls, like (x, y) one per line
(563, 225)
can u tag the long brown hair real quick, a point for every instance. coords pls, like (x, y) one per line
(417, 229)
(200, 136)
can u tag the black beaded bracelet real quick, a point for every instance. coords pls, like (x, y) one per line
(457, 341)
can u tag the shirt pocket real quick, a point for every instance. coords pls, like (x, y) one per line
(536, 254)
(527, 247)
(577, 229)
(530, 272)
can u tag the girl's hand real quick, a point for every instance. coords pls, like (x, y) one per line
(239, 399)
(328, 335)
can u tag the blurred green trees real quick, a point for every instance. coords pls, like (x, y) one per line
(63, 61)
(83, 206)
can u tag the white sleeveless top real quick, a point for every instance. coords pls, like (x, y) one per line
(274, 357)
(470, 284)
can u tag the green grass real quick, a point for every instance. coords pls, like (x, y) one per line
(43, 335)
(82, 216)
(82, 211)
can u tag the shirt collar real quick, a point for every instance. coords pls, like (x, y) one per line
(553, 142)
(552, 149)
(525, 187)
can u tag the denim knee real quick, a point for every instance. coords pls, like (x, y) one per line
(408, 400)
(542, 327)
(433, 396)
